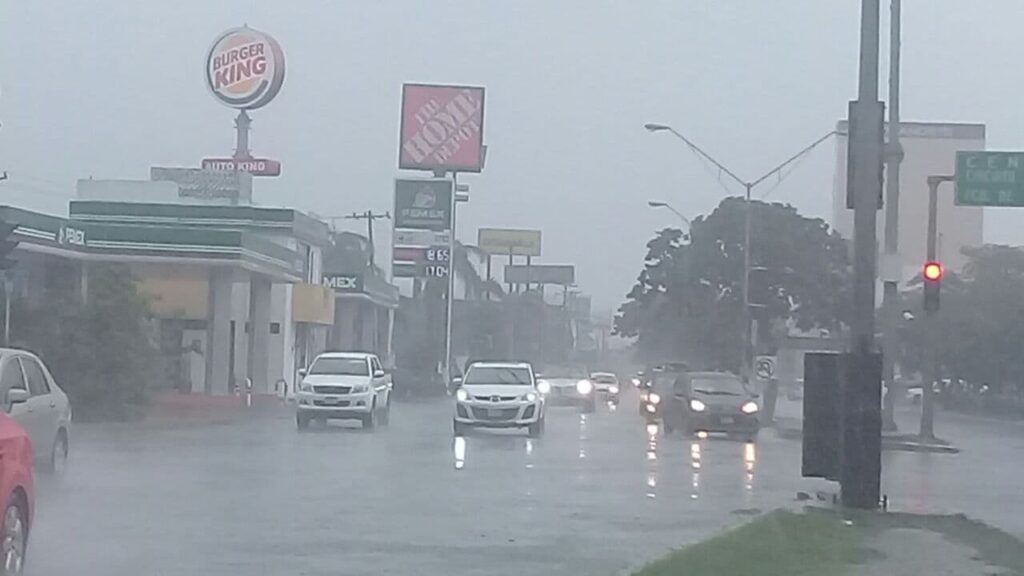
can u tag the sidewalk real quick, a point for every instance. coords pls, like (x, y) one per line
(173, 408)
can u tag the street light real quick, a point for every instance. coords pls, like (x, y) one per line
(748, 186)
(656, 204)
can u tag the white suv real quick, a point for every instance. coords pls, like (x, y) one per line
(344, 385)
(499, 395)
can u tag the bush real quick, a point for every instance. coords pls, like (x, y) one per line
(100, 353)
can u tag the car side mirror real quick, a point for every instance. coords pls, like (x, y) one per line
(302, 372)
(378, 374)
(17, 396)
(457, 381)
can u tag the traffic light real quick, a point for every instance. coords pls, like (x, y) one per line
(7, 245)
(932, 274)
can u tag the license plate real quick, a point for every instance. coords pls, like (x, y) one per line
(493, 412)
(726, 419)
(332, 400)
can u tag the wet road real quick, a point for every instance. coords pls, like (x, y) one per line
(596, 495)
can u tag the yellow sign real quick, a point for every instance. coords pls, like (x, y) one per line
(505, 241)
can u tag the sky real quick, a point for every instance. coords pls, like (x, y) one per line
(109, 88)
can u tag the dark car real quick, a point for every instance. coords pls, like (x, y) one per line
(712, 402)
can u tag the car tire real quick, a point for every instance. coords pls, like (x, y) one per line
(13, 537)
(536, 430)
(301, 421)
(370, 419)
(58, 453)
(458, 428)
(385, 415)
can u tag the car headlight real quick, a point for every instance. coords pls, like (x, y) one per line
(750, 407)
(697, 405)
(653, 398)
(461, 395)
(584, 387)
(308, 388)
(543, 386)
(636, 382)
(530, 397)
(613, 389)
(360, 389)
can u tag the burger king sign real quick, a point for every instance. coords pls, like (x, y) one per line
(245, 68)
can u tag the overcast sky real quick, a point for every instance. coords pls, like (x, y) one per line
(109, 88)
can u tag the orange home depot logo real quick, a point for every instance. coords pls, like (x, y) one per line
(245, 68)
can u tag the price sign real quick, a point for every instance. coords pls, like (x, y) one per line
(435, 271)
(438, 255)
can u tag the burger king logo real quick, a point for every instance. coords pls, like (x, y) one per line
(245, 68)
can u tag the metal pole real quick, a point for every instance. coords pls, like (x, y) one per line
(927, 429)
(747, 334)
(7, 313)
(242, 123)
(861, 437)
(369, 235)
(451, 286)
(488, 288)
(894, 155)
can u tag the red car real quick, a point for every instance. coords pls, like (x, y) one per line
(17, 494)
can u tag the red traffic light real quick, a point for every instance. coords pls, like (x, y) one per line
(932, 271)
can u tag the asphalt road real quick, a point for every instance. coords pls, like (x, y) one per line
(596, 495)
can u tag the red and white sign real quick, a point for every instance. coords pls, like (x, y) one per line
(442, 128)
(245, 68)
(254, 166)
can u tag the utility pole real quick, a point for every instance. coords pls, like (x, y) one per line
(893, 270)
(370, 216)
(860, 466)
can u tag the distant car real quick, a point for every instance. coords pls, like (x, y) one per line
(35, 401)
(344, 386)
(568, 387)
(18, 494)
(606, 384)
(499, 395)
(712, 402)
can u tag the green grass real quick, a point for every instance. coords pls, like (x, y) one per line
(784, 543)
(780, 543)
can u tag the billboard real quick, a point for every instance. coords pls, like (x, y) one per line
(423, 204)
(505, 241)
(207, 185)
(244, 68)
(540, 274)
(442, 128)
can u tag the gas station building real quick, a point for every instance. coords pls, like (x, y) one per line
(237, 292)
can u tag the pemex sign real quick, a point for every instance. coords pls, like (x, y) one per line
(442, 128)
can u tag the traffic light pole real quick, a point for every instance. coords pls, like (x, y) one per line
(927, 429)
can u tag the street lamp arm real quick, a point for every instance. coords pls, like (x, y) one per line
(681, 217)
(707, 156)
(792, 159)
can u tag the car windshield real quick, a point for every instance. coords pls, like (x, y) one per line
(492, 375)
(718, 385)
(604, 378)
(340, 367)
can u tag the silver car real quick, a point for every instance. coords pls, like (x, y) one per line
(34, 400)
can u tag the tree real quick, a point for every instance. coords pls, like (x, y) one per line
(100, 352)
(688, 300)
(975, 335)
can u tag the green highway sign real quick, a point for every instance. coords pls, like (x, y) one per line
(990, 178)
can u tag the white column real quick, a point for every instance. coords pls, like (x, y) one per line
(218, 332)
(259, 334)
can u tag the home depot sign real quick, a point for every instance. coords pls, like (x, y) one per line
(442, 128)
